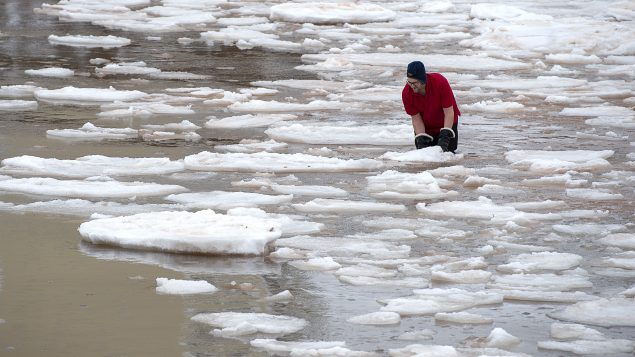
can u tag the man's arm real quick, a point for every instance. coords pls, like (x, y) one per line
(448, 117)
(417, 123)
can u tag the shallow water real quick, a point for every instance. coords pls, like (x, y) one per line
(60, 296)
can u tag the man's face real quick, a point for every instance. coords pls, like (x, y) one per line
(416, 85)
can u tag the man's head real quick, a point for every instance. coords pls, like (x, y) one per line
(416, 74)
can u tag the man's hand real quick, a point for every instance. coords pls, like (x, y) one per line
(423, 140)
(445, 136)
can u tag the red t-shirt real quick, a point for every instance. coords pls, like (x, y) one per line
(438, 95)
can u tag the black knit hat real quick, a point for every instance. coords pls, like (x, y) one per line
(417, 70)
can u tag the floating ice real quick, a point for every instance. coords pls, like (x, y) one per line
(329, 13)
(51, 72)
(589, 347)
(429, 154)
(79, 207)
(184, 232)
(280, 297)
(376, 318)
(457, 63)
(90, 131)
(94, 189)
(621, 240)
(320, 264)
(396, 185)
(86, 96)
(601, 312)
(89, 41)
(343, 135)
(483, 208)
(588, 229)
(184, 287)
(346, 206)
(388, 235)
(248, 146)
(273, 162)
(224, 200)
(462, 318)
(498, 338)
(290, 224)
(563, 331)
(92, 165)
(535, 262)
(247, 121)
(409, 282)
(244, 323)
(470, 276)
(17, 105)
(309, 190)
(18, 91)
(138, 109)
(184, 125)
(540, 282)
(262, 106)
(432, 301)
(366, 270)
(559, 161)
(274, 346)
(426, 351)
(494, 106)
(136, 68)
(346, 247)
(593, 194)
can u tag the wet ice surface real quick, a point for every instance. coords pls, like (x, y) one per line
(286, 120)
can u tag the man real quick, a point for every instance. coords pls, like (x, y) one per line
(429, 100)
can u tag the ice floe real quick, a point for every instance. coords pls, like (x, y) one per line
(483, 209)
(620, 240)
(536, 262)
(56, 72)
(309, 190)
(429, 154)
(346, 206)
(275, 346)
(329, 13)
(87, 189)
(274, 162)
(245, 323)
(199, 232)
(88, 166)
(225, 200)
(343, 135)
(559, 161)
(91, 132)
(84, 208)
(247, 121)
(86, 96)
(17, 105)
(89, 41)
(345, 247)
(432, 301)
(376, 318)
(184, 287)
(540, 282)
(601, 312)
(396, 185)
(462, 318)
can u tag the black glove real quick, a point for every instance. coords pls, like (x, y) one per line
(423, 140)
(445, 136)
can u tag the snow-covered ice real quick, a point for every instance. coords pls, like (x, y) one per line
(89, 166)
(244, 323)
(274, 162)
(89, 41)
(200, 232)
(184, 287)
(224, 200)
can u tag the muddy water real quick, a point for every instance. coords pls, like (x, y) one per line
(61, 297)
